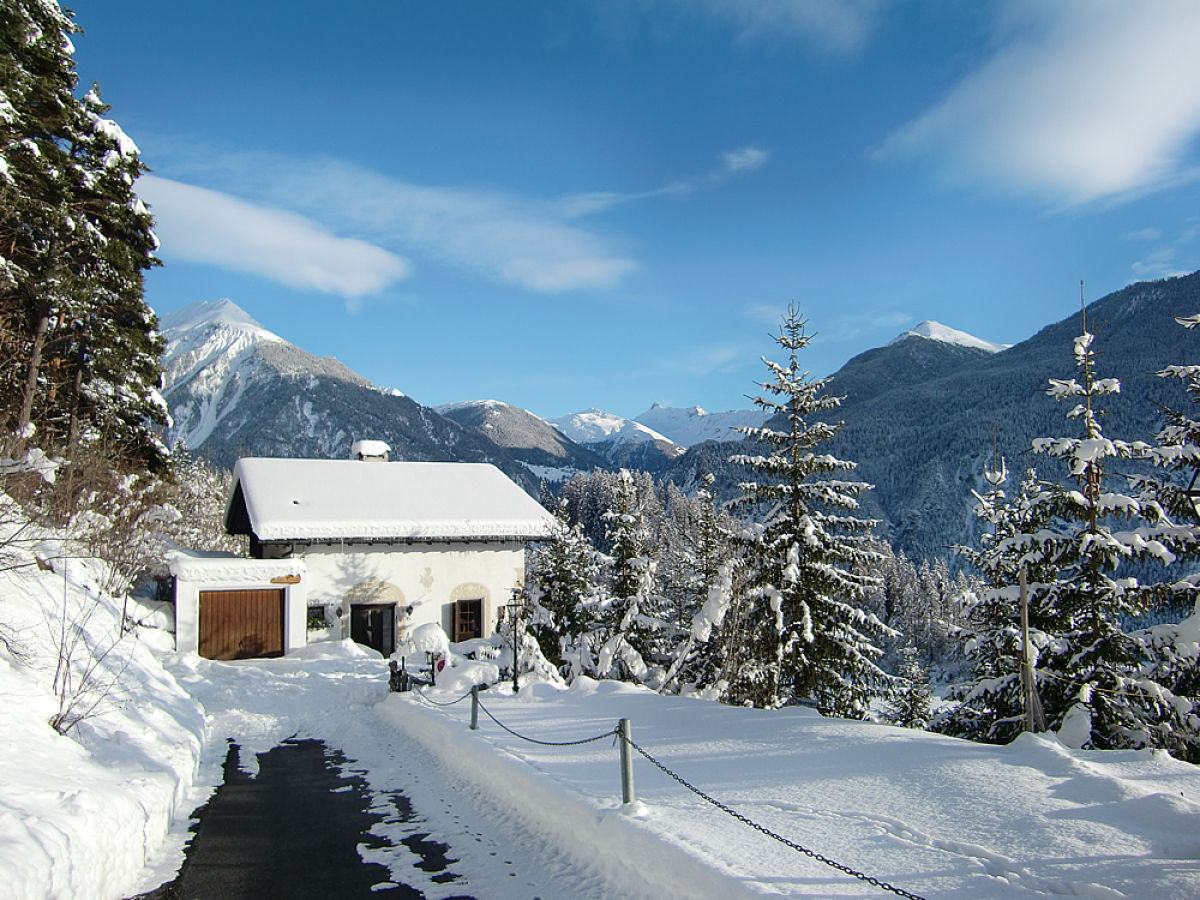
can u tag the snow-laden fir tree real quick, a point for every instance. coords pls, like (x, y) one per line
(1076, 543)
(632, 625)
(1173, 649)
(564, 591)
(990, 706)
(911, 707)
(699, 661)
(808, 555)
(82, 347)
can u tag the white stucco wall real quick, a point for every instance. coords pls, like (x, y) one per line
(194, 573)
(430, 576)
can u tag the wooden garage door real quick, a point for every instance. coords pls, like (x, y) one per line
(241, 624)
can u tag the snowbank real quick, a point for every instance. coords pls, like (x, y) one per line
(80, 813)
(103, 811)
(933, 815)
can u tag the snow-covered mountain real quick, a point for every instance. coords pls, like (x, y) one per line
(695, 425)
(922, 416)
(234, 388)
(623, 442)
(936, 331)
(534, 442)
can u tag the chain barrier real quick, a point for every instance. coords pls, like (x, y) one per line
(615, 733)
(589, 740)
(417, 691)
(861, 876)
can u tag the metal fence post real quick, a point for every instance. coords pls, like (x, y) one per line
(474, 707)
(625, 737)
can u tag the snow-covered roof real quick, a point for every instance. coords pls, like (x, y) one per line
(329, 500)
(369, 448)
(202, 568)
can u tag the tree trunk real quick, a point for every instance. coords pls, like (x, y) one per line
(34, 369)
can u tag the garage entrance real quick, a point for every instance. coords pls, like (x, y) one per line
(241, 624)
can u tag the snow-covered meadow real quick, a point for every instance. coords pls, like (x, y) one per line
(103, 811)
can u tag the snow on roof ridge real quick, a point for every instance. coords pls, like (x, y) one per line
(338, 499)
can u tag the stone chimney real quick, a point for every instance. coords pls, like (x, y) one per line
(370, 451)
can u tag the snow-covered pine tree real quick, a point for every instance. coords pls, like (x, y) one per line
(809, 554)
(1176, 455)
(77, 241)
(564, 591)
(1090, 673)
(631, 624)
(991, 706)
(1173, 648)
(699, 660)
(911, 706)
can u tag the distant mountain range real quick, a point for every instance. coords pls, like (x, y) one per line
(235, 389)
(923, 416)
(919, 413)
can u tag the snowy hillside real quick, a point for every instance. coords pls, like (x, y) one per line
(104, 812)
(695, 425)
(215, 352)
(935, 331)
(622, 442)
(81, 812)
(593, 426)
(534, 442)
(234, 388)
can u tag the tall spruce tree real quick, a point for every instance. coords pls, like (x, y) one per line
(1076, 543)
(564, 590)
(808, 555)
(990, 707)
(629, 616)
(82, 347)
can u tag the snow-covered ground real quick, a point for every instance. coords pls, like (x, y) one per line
(103, 812)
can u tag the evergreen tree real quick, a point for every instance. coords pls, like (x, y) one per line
(1176, 454)
(84, 346)
(991, 706)
(563, 588)
(911, 706)
(807, 555)
(1076, 544)
(629, 614)
(700, 660)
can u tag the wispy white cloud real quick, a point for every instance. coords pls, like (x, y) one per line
(1083, 100)
(733, 163)
(1178, 256)
(1143, 234)
(514, 239)
(201, 225)
(708, 360)
(745, 159)
(831, 27)
(535, 243)
(883, 325)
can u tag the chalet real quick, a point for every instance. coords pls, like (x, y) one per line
(372, 548)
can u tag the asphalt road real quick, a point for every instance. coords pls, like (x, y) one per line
(293, 831)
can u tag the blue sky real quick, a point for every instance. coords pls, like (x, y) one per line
(607, 203)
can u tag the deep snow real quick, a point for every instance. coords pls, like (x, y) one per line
(104, 811)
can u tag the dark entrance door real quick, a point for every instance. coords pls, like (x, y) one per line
(468, 620)
(374, 625)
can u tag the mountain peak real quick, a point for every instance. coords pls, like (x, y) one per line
(214, 312)
(936, 331)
